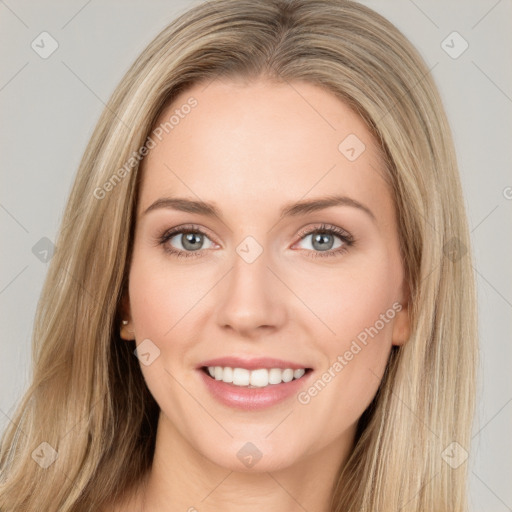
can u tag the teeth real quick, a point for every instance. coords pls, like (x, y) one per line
(241, 377)
(275, 376)
(259, 378)
(287, 375)
(227, 374)
(297, 374)
(254, 378)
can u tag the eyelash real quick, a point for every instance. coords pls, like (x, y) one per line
(347, 239)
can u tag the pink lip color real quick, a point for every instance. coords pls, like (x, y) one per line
(251, 399)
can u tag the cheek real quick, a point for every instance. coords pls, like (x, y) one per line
(352, 298)
(161, 295)
(162, 300)
(358, 305)
(152, 304)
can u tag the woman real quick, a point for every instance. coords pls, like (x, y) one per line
(262, 295)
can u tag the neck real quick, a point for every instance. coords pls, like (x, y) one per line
(182, 479)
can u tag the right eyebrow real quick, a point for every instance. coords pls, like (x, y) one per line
(185, 205)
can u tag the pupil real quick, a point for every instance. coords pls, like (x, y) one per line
(192, 240)
(322, 239)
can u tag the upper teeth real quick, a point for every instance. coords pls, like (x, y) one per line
(256, 378)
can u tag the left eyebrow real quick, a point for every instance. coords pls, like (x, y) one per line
(210, 209)
(321, 203)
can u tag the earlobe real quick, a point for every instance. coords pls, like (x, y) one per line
(402, 323)
(126, 328)
(401, 327)
(126, 331)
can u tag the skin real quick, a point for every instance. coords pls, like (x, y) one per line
(251, 148)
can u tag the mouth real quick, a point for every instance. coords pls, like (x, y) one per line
(254, 378)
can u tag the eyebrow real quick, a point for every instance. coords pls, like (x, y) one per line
(209, 209)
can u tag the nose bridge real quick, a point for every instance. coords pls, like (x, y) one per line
(251, 297)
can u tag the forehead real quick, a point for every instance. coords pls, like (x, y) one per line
(260, 143)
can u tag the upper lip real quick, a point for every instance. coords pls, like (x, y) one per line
(252, 363)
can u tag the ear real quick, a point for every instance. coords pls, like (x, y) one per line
(126, 329)
(402, 324)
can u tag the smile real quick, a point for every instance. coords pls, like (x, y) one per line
(258, 378)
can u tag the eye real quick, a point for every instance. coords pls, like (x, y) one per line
(185, 241)
(323, 240)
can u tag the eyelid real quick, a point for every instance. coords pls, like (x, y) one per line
(321, 227)
(183, 228)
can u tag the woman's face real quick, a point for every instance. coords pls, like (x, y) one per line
(263, 284)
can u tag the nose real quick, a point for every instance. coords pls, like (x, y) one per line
(252, 300)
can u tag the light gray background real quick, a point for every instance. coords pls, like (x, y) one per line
(50, 106)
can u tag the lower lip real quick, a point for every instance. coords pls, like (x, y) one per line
(251, 399)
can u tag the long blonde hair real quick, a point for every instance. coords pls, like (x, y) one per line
(88, 399)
